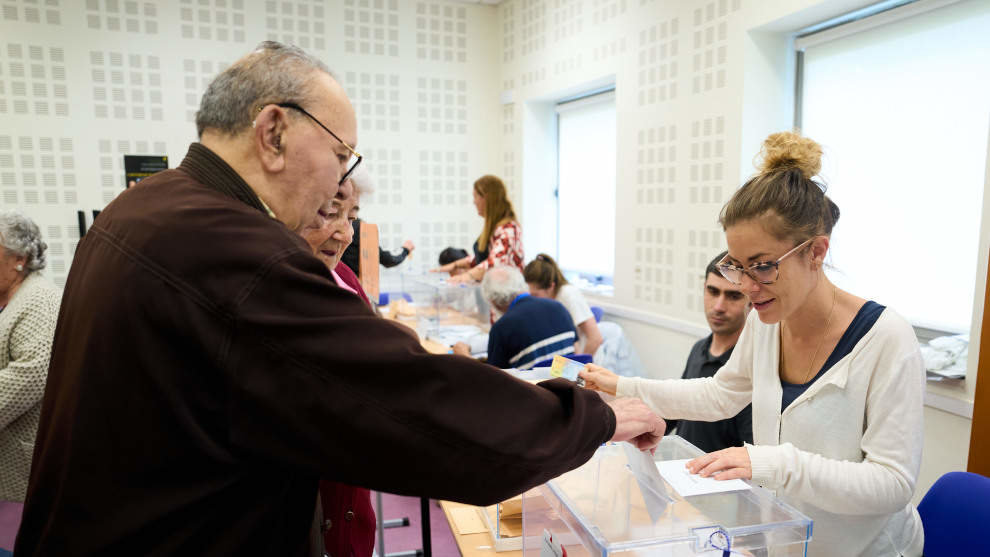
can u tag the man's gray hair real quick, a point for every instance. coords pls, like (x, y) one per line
(502, 284)
(20, 236)
(273, 73)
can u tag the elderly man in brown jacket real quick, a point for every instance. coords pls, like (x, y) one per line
(206, 372)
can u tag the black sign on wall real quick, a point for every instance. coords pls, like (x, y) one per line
(139, 167)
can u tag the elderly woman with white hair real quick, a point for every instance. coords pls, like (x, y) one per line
(348, 519)
(28, 313)
(352, 258)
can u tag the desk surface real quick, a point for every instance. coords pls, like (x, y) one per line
(431, 346)
(473, 545)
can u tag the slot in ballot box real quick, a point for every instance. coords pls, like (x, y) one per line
(614, 504)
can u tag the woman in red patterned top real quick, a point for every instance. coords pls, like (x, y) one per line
(500, 242)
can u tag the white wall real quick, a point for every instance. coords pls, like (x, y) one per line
(699, 84)
(83, 83)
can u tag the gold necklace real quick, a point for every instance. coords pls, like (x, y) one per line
(828, 322)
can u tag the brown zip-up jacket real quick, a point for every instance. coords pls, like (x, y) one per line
(206, 372)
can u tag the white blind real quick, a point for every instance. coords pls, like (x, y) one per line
(902, 111)
(586, 194)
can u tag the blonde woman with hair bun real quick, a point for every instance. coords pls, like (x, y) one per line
(836, 381)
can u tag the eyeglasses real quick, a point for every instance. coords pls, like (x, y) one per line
(764, 272)
(356, 157)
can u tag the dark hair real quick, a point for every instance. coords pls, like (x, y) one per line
(450, 255)
(790, 204)
(543, 272)
(711, 269)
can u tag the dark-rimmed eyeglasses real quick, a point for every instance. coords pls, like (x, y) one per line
(356, 157)
(764, 272)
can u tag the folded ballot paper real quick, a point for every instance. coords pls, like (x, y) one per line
(687, 484)
(568, 369)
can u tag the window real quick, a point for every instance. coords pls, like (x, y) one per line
(586, 186)
(902, 111)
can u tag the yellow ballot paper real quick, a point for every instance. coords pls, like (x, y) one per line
(568, 369)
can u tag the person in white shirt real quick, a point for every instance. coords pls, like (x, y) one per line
(836, 382)
(546, 281)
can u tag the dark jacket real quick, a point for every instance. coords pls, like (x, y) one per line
(206, 372)
(531, 331)
(352, 255)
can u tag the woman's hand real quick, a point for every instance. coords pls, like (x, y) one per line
(727, 464)
(463, 278)
(409, 245)
(598, 378)
(449, 267)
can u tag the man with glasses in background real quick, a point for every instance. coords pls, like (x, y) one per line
(206, 372)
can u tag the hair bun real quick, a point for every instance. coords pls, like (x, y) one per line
(784, 150)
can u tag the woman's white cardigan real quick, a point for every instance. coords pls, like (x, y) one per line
(846, 452)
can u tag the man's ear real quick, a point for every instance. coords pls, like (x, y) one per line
(269, 137)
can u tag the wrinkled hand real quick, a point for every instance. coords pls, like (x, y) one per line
(727, 464)
(462, 348)
(409, 245)
(598, 378)
(637, 424)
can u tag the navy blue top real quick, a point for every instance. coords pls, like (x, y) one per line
(861, 324)
(532, 330)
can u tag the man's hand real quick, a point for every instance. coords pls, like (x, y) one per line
(636, 423)
(409, 245)
(462, 349)
(598, 378)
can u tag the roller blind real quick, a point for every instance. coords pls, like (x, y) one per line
(902, 111)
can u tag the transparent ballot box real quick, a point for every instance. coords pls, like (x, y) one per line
(446, 313)
(504, 523)
(614, 504)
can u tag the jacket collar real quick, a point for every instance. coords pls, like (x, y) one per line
(213, 172)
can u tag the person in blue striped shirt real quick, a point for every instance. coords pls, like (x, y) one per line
(531, 330)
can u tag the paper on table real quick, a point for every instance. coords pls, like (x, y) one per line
(467, 521)
(687, 484)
